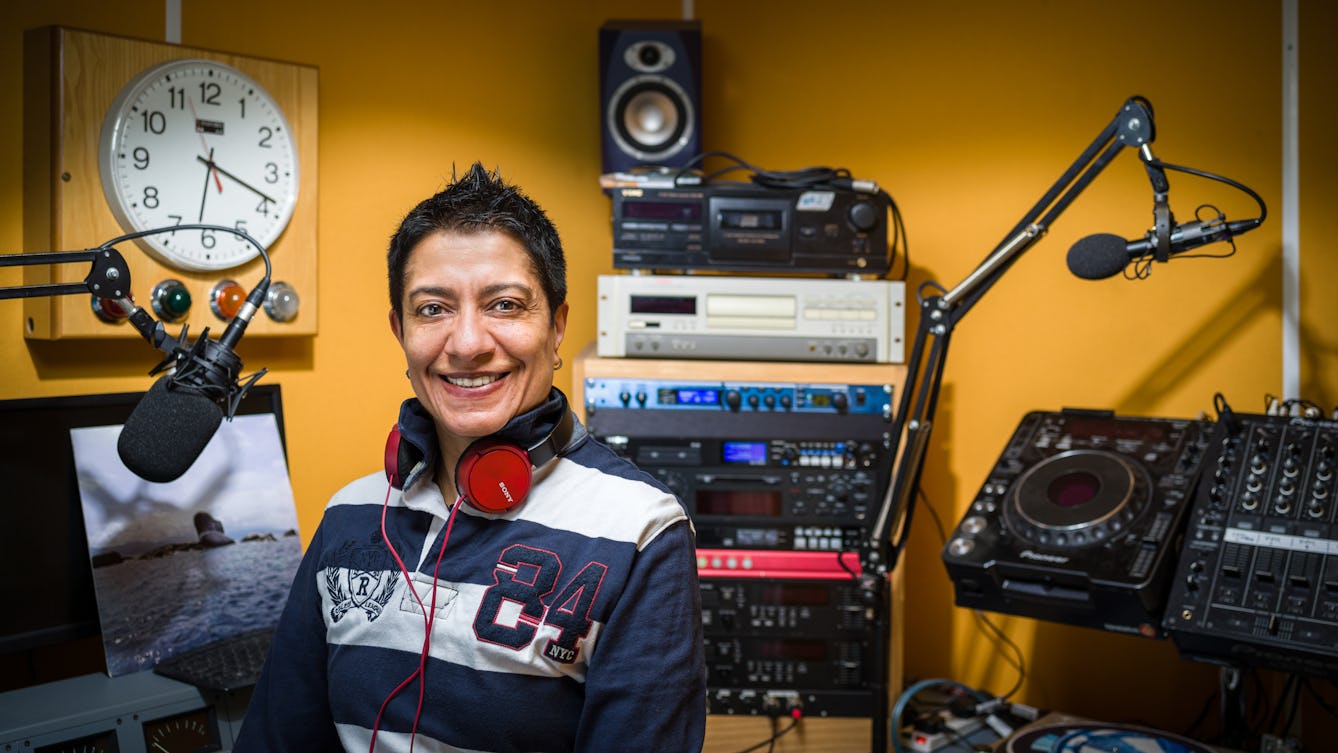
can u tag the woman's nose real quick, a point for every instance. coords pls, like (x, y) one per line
(470, 336)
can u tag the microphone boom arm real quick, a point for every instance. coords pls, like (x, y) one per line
(1132, 126)
(202, 365)
(108, 278)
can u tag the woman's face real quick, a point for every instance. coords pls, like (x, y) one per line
(476, 332)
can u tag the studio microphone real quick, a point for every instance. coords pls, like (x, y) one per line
(1103, 255)
(176, 418)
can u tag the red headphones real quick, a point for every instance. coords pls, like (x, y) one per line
(492, 475)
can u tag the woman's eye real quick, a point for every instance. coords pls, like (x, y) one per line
(507, 306)
(431, 309)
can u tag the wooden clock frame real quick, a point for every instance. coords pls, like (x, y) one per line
(71, 78)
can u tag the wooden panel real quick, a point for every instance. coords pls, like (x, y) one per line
(70, 80)
(730, 734)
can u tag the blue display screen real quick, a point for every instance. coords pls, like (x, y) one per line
(691, 396)
(751, 453)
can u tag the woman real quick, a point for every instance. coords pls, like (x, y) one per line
(558, 612)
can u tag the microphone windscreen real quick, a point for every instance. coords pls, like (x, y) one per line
(1099, 256)
(167, 431)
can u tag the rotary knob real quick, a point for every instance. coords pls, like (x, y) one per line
(863, 216)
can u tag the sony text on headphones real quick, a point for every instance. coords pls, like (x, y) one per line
(492, 475)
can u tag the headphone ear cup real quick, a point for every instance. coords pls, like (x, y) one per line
(493, 475)
(393, 458)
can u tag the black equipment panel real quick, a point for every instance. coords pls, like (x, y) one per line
(1077, 522)
(774, 642)
(742, 227)
(763, 465)
(780, 479)
(1257, 582)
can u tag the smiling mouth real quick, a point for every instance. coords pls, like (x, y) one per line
(477, 381)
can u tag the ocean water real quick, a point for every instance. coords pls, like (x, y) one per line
(151, 609)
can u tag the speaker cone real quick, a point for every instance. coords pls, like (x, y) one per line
(650, 118)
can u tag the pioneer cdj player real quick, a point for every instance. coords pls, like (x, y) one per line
(1078, 520)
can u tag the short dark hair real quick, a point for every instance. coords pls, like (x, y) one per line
(480, 201)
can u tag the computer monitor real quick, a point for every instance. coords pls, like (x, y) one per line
(43, 548)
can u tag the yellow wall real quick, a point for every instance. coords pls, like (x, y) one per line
(965, 111)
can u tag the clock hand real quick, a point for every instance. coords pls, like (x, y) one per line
(214, 166)
(195, 117)
(209, 171)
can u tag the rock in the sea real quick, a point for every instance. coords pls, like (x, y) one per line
(211, 530)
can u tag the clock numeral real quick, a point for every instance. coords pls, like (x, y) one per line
(242, 102)
(178, 97)
(209, 92)
(207, 238)
(176, 220)
(266, 133)
(155, 122)
(141, 156)
(271, 172)
(263, 207)
(151, 197)
(241, 226)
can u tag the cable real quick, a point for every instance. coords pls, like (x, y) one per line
(770, 742)
(899, 708)
(1014, 656)
(1141, 267)
(1329, 708)
(1017, 660)
(429, 618)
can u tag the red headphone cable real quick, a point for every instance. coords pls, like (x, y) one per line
(429, 617)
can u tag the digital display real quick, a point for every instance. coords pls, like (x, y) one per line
(1098, 427)
(738, 502)
(689, 396)
(819, 399)
(793, 649)
(664, 304)
(768, 537)
(795, 595)
(748, 453)
(662, 210)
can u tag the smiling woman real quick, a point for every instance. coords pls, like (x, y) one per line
(478, 335)
(506, 554)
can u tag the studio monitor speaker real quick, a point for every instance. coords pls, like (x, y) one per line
(650, 93)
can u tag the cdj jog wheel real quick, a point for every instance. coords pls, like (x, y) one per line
(1077, 498)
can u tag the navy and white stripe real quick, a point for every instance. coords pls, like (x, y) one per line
(569, 623)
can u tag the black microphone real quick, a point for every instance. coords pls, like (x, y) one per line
(176, 418)
(1103, 255)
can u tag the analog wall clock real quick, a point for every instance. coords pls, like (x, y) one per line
(197, 141)
(124, 135)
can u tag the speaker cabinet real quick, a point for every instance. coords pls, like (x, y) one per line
(650, 93)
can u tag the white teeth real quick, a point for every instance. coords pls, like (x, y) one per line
(471, 381)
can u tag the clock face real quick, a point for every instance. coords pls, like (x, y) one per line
(198, 142)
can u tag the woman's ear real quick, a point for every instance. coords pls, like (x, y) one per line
(559, 324)
(396, 326)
